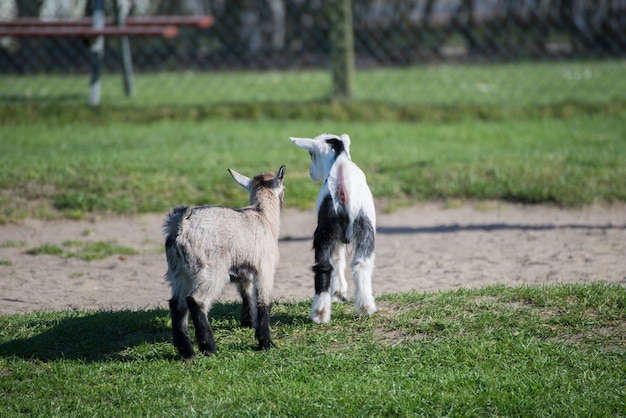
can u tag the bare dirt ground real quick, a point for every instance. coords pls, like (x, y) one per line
(427, 247)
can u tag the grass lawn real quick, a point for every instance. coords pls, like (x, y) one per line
(72, 169)
(517, 84)
(529, 351)
(526, 132)
(536, 133)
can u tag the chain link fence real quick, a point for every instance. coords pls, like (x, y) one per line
(257, 37)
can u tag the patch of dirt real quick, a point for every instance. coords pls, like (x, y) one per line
(427, 247)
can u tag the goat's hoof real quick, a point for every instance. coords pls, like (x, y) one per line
(187, 355)
(208, 349)
(320, 318)
(266, 344)
(366, 310)
(338, 297)
(185, 350)
(320, 309)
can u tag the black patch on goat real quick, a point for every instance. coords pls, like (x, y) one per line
(328, 232)
(204, 333)
(180, 329)
(337, 145)
(248, 313)
(364, 236)
(170, 242)
(243, 276)
(263, 328)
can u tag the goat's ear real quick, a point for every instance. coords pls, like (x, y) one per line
(305, 143)
(280, 175)
(346, 143)
(242, 180)
(346, 140)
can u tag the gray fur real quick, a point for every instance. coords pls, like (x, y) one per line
(208, 246)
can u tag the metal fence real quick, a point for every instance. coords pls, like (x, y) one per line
(296, 35)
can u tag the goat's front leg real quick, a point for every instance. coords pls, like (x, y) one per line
(180, 328)
(325, 239)
(320, 309)
(204, 333)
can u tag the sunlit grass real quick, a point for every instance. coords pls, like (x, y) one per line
(74, 169)
(518, 84)
(525, 132)
(496, 351)
(515, 84)
(83, 250)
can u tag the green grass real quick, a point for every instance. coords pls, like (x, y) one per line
(516, 84)
(73, 169)
(497, 351)
(519, 84)
(83, 250)
(526, 132)
(12, 244)
(535, 133)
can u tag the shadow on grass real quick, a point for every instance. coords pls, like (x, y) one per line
(90, 336)
(110, 335)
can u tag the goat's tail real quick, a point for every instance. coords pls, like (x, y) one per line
(173, 222)
(172, 228)
(340, 187)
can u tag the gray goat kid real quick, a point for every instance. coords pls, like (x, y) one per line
(208, 246)
(346, 216)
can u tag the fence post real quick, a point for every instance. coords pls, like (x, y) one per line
(341, 48)
(97, 52)
(127, 60)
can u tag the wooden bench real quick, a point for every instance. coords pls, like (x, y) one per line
(98, 28)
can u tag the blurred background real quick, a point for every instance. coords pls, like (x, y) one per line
(264, 41)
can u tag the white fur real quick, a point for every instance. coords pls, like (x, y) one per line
(337, 171)
(320, 308)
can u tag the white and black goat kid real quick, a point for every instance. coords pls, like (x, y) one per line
(208, 246)
(345, 216)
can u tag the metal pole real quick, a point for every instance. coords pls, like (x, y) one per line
(97, 53)
(127, 60)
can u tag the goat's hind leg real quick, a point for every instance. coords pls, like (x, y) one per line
(211, 284)
(362, 270)
(263, 327)
(325, 239)
(180, 329)
(262, 292)
(338, 284)
(248, 303)
(363, 266)
(321, 307)
(204, 333)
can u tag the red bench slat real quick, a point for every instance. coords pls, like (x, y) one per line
(84, 31)
(199, 21)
